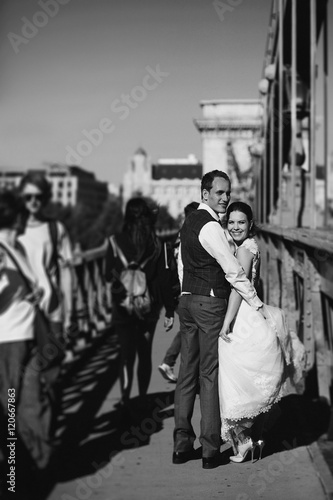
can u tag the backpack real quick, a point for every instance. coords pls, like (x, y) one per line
(133, 279)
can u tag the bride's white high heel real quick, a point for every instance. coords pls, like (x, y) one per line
(243, 450)
(260, 443)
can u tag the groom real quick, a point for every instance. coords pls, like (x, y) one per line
(206, 267)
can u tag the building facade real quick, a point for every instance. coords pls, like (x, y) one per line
(228, 130)
(172, 182)
(70, 185)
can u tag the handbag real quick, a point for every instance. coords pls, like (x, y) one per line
(50, 350)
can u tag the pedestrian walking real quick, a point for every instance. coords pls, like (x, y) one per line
(166, 368)
(24, 407)
(138, 245)
(49, 252)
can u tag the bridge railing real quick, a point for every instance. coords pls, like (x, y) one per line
(297, 275)
(91, 298)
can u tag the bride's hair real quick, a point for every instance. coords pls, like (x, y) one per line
(240, 206)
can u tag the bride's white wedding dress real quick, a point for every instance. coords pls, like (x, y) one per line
(253, 366)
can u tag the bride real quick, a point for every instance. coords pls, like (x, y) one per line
(252, 362)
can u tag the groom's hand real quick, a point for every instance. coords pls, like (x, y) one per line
(263, 311)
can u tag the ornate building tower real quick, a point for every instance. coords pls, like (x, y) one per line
(172, 182)
(228, 129)
(137, 179)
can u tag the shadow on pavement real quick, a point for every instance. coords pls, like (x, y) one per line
(90, 442)
(87, 439)
(299, 421)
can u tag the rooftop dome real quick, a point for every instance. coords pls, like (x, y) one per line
(140, 151)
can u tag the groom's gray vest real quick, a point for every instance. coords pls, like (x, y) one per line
(201, 272)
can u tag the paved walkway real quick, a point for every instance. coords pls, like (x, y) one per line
(106, 457)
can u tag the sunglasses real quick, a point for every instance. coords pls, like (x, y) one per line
(29, 197)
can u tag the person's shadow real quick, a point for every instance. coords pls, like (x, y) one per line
(297, 420)
(89, 434)
(87, 438)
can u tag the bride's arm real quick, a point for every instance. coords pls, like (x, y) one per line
(245, 258)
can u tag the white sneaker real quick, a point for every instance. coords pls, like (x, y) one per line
(69, 356)
(167, 372)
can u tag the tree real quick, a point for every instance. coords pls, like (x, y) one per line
(90, 229)
(164, 220)
(108, 222)
(84, 225)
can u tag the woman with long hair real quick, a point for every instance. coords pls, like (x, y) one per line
(139, 243)
(49, 252)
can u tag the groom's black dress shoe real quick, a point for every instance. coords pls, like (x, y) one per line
(181, 457)
(211, 462)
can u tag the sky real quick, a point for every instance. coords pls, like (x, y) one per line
(90, 81)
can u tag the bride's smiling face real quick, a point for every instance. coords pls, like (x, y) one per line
(238, 226)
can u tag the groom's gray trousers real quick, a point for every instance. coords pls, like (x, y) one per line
(201, 319)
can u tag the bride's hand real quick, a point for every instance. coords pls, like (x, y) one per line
(224, 334)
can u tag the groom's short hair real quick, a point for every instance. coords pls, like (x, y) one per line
(208, 179)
